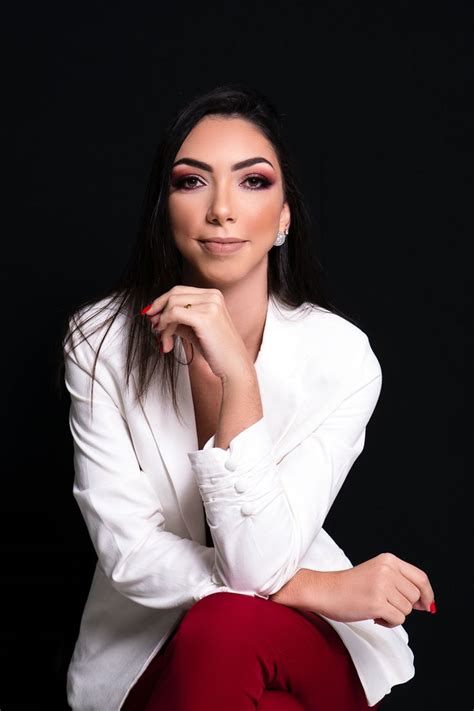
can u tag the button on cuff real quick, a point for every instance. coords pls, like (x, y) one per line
(247, 510)
(241, 487)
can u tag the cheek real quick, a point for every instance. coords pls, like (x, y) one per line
(265, 214)
(182, 214)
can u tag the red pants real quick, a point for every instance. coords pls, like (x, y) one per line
(242, 653)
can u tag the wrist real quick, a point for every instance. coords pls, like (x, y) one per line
(302, 591)
(240, 377)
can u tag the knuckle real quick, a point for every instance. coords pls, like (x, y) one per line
(385, 569)
(395, 618)
(375, 610)
(414, 597)
(424, 580)
(378, 607)
(400, 618)
(387, 557)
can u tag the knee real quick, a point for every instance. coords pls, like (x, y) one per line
(222, 606)
(221, 616)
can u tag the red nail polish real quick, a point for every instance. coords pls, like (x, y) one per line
(146, 308)
(433, 607)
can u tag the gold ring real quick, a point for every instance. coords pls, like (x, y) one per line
(188, 306)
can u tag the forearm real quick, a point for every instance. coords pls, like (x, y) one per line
(241, 406)
(303, 590)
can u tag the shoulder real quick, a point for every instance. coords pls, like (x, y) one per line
(329, 342)
(98, 327)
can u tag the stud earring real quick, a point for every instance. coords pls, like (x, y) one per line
(281, 237)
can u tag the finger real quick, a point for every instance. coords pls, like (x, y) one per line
(380, 621)
(419, 578)
(175, 312)
(407, 589)
(419, 606)
(171, 320)
(166, 337)
(160, 302)
(392, 617)
(167, 343)
(180, 299)
(383, 623)
(400, 602)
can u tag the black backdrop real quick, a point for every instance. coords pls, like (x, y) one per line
(375, 112)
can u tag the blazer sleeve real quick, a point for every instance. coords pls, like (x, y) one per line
(122, 512)
(264, 514)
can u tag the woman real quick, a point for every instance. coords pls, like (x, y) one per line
(276, 387)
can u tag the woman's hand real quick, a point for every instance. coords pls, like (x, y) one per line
(207, 325)
(385, 589)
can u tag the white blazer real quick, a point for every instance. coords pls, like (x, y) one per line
(141, 481)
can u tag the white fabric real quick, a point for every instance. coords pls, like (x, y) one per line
(140, 481)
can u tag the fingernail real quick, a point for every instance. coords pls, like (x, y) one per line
(146, 308)
(433, 607)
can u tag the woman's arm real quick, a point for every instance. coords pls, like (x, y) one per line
(241, 406)
(264, 513)
(385, 589)
(300, 591)
(121, 509)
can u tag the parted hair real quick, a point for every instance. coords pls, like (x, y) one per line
(154, 266)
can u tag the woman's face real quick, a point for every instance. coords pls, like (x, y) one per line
(215, 198)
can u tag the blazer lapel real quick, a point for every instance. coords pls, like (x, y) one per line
(280, 389)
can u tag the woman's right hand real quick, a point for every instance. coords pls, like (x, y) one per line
(385, 589)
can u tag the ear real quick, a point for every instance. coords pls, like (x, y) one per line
(285, 217)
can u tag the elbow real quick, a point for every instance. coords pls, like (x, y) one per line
(264, 577)
(279, 578)
(258, 562)
(263, 586)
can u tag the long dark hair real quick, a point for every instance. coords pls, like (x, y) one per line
(155, 264)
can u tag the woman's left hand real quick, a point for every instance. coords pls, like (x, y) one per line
(207, 325)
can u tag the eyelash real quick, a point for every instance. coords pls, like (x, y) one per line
(265, 182)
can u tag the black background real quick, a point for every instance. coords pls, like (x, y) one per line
(375, 110)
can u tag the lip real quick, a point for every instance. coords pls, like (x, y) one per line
(223, 240)
(222, 247)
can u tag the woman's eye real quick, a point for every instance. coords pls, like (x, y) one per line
(184, 183)
(264, 183)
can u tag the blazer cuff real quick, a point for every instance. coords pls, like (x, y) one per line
(209, 588)
(252, 448)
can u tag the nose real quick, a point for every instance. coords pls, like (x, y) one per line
(221, 207)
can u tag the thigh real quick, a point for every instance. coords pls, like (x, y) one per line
(241, 649)
(278, 701)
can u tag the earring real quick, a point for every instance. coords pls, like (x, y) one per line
(281, 237)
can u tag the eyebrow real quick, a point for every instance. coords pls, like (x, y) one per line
(237, 166)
